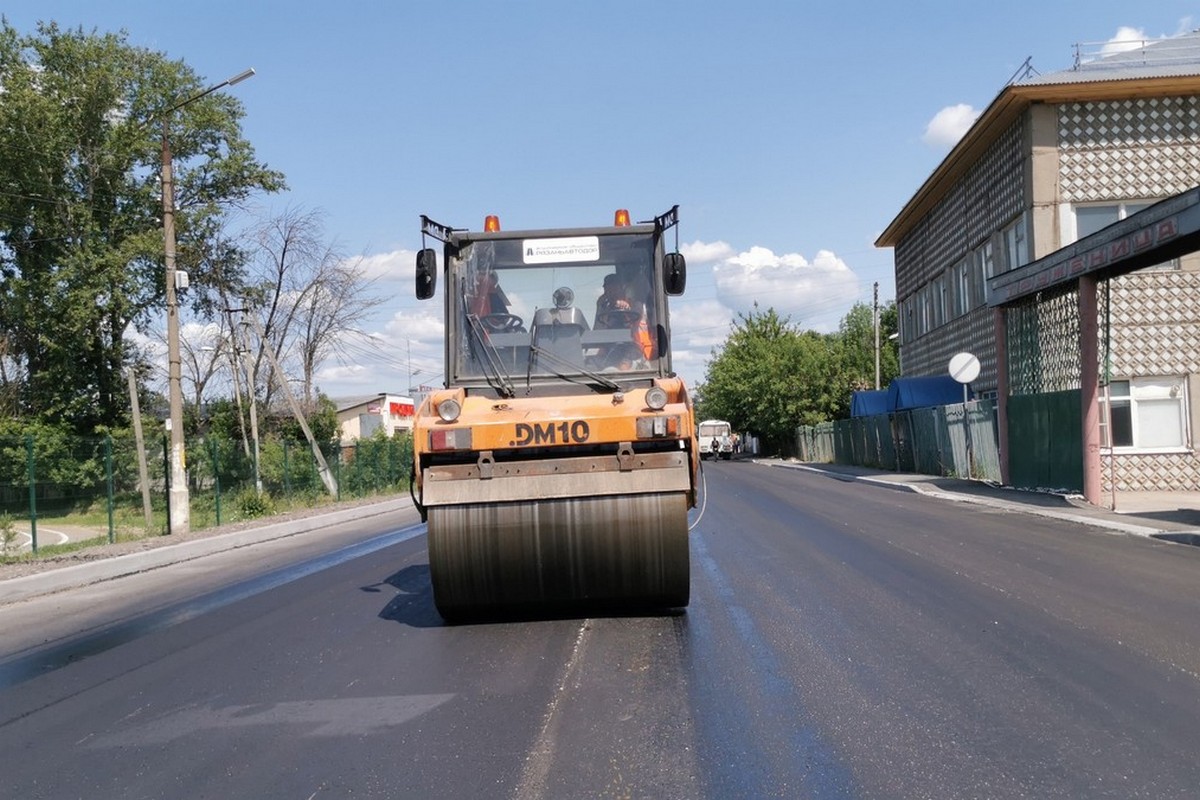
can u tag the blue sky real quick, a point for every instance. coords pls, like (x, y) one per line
(789, 133)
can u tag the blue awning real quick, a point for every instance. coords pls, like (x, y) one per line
(868, 403)
(923, 392)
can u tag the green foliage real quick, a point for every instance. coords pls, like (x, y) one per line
(60, 457)
(856, 335)
(223, 421)
(252, 505)
(81, 248)
(8, 534)
(376, 464)
(322, 421)
(770, 376)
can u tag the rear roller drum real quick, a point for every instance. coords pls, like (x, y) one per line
(624, 551)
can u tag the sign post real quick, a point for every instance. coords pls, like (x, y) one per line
(964, 368)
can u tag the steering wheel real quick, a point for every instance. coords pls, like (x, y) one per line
(502, 323)
(621, 356)
(617, 318)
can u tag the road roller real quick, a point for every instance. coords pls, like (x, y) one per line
(556, 467)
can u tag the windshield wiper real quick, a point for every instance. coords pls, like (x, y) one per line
(497, 377)
(597, 383)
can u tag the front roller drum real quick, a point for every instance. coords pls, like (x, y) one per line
(625, 551)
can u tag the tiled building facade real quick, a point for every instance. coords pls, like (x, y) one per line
(1053, 159)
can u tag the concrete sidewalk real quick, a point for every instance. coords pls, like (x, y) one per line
(1171, 516)
(64, 578)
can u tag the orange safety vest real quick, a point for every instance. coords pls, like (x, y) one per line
(641, 335)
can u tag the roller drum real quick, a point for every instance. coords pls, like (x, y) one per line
(624, 551)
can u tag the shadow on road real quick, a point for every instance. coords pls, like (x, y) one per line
(413, 605)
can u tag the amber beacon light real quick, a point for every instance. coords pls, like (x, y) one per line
(621, 218)
(491, 223)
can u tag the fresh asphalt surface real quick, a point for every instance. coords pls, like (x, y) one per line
(844, 640)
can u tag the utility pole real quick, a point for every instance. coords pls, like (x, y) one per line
(875, 317)
(323, 468)
(143, 470)
(177, 499)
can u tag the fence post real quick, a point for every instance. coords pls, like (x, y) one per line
(337, 471)
(375, 470)
(167, 479)
(108, 475)
(212, 447)
(32, 472)
(287, 472)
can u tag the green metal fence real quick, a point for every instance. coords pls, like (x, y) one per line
(55, 488)
(955, 440)
(1045, 434)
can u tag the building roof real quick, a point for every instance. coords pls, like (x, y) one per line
(1142, 58)
(354, 401)
(1155, 69)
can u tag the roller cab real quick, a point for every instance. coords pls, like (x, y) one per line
(558, 465)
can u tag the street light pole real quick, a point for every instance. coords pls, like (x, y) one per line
(177, 499)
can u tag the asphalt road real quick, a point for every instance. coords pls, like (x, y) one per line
(843, 641)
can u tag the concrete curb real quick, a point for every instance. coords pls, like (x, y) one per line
(1081, 517)
(57, 580)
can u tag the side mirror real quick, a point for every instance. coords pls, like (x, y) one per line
(426, 273)
(674, 273)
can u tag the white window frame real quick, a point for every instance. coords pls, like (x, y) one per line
(1015, 239)
(939, 292)
(1145, 390)
(1124, 208)
(965, 300)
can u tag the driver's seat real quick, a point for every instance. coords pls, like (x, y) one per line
(560, 332)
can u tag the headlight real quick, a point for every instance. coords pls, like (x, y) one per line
(656, 398)
(449, 409)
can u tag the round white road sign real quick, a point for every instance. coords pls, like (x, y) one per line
(964, 367)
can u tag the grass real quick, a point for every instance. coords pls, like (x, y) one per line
(129, 523)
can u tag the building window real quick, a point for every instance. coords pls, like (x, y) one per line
(926, 318)
(1016, 244)
(984, 263)
(965, 303)
(939, 301)
(1089, 219)
(1147, 414)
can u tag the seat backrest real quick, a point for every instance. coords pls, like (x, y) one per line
(560, 331)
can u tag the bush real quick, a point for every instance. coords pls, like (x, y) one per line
(8, 534)
(252, 505)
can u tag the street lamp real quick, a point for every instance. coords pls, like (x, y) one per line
(177, 498)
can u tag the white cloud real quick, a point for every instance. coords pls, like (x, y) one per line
(699, 324)
(418, 325)
(706, 252)
(949, 125)
(814, 294)
(397, 265)
(1126, 38)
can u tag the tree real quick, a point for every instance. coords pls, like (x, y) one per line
(306, 295)
(81, 249)
(856, 334)
(770, 377)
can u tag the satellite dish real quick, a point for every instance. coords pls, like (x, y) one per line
(964, 367)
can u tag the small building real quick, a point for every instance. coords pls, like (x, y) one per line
(985, 261)
(361, 415)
